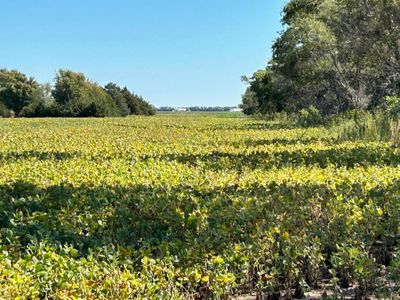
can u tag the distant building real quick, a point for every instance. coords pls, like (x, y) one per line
(236, 109)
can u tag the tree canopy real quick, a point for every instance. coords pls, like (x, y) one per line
(73, 95)
(17, 90)
(333, 54)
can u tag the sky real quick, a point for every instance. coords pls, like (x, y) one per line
(172, 52)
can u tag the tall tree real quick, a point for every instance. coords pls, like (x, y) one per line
(116, 94)
(77, 96)
(128, 102)
(335, 55)
(17, 90)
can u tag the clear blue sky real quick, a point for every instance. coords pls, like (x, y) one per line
(173, 52)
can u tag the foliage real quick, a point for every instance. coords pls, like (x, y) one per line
(72, 96)
(310, 117)
(115, 93)
(395, 267)
(78, 97)
(379, 126)
(193, 206)
(263, 94)
(337, 55)
(392, 105)
(249, 103)
(17, 91)
(5, 112)
(354, 264)
(39, 106)
(128, 102)
(136, 104)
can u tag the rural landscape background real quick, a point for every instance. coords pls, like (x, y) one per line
(291, 192)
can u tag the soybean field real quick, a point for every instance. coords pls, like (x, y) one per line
(194, 206)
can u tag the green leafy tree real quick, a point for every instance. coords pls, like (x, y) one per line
(116, 94)
(137, 104)
(249, 102)
(264, 93)
(335, 55)
(128, 102)
(40, 104)
(78, 97)
(17, 90)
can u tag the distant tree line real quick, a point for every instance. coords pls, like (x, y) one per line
(210, 108)
(333, 55)
(199, 108)
(72, 95)
(166, 108)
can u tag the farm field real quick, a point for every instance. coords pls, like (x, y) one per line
(193, 206)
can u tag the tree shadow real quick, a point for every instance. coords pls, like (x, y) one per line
(133, 126)
(183, 220)
(362, 155)
(281, 141)
(40, 155)
(252, 126)
(339, 157)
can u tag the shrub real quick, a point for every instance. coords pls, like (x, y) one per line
(378, 127)
(391, 104)
(5, 112)
(310, 117)
(394, 268)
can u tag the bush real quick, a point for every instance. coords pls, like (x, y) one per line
(394, 268)
(392, 105)
(378, 127)
(5, 112)
(310, 117)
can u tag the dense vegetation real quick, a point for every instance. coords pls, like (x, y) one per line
(73, 95)
(214, 205)
(194, 206)
(333, 55)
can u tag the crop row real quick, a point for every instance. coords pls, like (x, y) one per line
(192, 207)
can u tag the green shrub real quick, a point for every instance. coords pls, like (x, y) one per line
(310, 117)
(370, 127)
(391, 104)
(394, 269)
(5, 112)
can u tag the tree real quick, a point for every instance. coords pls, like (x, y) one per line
(17, 90)
(116, 94)
(264, 93)
(137, 104)
(39, 106)
(128, 102)
(333, 54)
(249, 103)
(78, 97)
(73, 95)
(351, 36)
(69, 87)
